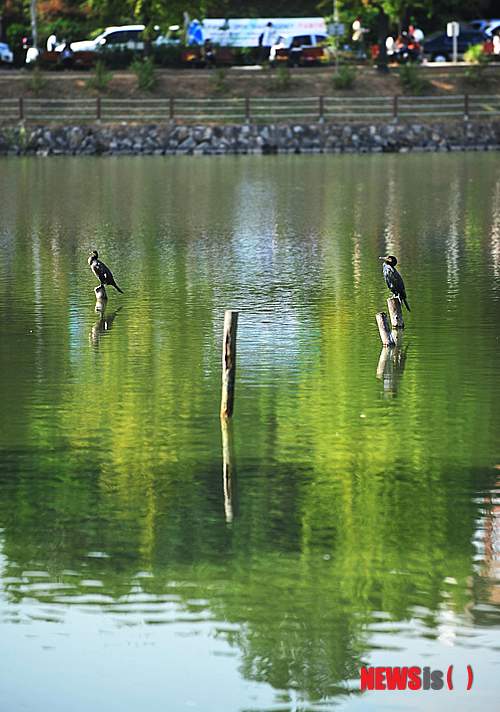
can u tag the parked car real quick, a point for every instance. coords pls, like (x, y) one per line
(493, 28)
(6, 54)
(483, 25)
(86, 51)
(300, 50)
(439, 47)
(122, 37)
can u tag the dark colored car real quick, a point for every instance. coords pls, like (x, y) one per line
(300, 50)
(439, 47)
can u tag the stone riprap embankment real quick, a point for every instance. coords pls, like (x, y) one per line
(174, 139)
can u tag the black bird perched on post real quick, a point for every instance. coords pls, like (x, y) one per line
(102, 272)
(393, 279)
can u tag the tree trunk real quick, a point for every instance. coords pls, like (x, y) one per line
(382, 32)
(34, 23)
(147, 34)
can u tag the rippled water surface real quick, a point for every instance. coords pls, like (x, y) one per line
(359, 519)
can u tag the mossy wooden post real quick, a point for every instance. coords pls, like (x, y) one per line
(384, 330)
(395, 312)
(391, 366)
(228, 363)
(382, 363)
(227, 467)
(100, 298)
(397, 337)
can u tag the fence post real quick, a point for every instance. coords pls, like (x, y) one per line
(21, 108)
(466, 107)
(98, 108)
(247, 109)
(395, 107)
(321, 109)
(171, 106)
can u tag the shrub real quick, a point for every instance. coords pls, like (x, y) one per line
(411, 80)
(477, 61)
(218, 80)
(15, 32)
(63, 26)
(475, 55)
(101, 77)
(145, 72)
(282, 79)
(37, 82)
(117, 58)
(245, 55)
(167, 55)
(344, 78)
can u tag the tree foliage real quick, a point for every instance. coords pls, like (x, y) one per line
(79, 18)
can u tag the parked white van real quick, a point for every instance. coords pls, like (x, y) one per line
(122, 37)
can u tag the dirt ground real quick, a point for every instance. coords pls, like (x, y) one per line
(239, 82)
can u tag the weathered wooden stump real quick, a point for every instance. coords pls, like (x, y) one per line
(397, 337)
(228, 363)
(382, 362)
(390, 368)
(395, 312)
(227, 467)
(100, 298)
(384, 330)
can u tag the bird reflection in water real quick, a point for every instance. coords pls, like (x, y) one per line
(103, 325)
(391, 364)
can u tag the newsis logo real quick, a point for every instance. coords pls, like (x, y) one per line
(409, 678)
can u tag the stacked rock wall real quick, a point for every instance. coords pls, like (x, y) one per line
(170, 139)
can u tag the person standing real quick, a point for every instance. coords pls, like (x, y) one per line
(67, 56)
(266, 40)
(208, 54)
(51, 43)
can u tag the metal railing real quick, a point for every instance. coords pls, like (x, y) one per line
(249, 109)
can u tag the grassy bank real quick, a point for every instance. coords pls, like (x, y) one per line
(437, 80)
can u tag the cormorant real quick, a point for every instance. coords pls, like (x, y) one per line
(393, 279)
(102, 272)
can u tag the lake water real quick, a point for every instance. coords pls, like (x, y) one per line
(360, 520)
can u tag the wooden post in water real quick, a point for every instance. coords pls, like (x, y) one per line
(395, 312)
(100, 298)
(382, 362)
(384, 330)
(227, 467)
(390, 367)
(228, 363)
(397, 337)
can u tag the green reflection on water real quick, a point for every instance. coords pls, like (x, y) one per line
(354, 499)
